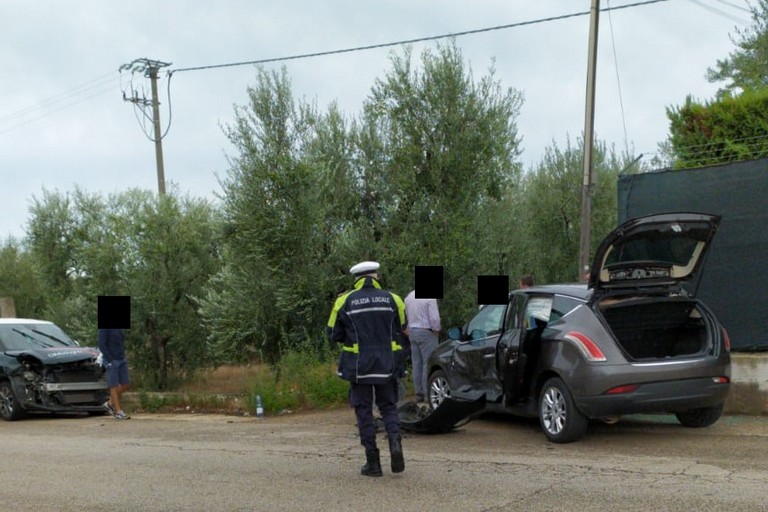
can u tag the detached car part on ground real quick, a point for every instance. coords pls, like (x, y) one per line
(450, 414)
(634, 340)
(43, 369)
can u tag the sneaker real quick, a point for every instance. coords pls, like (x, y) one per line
(120, 415)
(108, 407)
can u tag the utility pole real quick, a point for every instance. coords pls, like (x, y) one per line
(589, 121)
(150, 69)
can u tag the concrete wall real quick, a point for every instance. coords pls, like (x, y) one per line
(749, 384)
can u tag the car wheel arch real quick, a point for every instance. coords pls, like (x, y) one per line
(541, 379)
(561, 420)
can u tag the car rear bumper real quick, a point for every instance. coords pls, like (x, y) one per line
(656, 397)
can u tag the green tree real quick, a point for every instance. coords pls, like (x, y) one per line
(746, 68)
(550, 210)
(288, 213)
(727, 129)
(51, 239)
(438, 150)
(732, 126)
(21, 280)
(160, 251)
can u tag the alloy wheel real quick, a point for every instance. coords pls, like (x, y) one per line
(6, 402)
(439, 389)
(553, 413)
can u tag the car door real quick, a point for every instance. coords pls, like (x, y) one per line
(530, 315)
(508, 348)
(474, 359)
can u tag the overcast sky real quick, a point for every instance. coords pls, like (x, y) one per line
(63, 121)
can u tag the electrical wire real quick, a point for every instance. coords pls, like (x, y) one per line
(97, 85)
(715, 152)
(740, 7)
(718, 11)
(69, 98)
(142, 104)
(414, 40)
(618, 82)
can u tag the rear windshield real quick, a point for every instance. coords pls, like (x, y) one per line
(666, 246)
(27, 336)
(677, 251)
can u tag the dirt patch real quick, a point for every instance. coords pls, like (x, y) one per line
(225, 380)
(223, 390)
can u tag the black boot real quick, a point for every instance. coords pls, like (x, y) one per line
(372, 463)
(396, 453)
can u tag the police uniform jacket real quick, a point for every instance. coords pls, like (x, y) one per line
(368, 322)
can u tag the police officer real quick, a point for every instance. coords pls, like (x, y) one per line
(368, 322)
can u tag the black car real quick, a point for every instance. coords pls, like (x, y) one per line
(43, 369)
(634, 340)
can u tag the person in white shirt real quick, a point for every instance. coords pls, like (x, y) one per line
(423, 327)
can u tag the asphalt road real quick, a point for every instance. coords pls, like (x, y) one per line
(311, 462)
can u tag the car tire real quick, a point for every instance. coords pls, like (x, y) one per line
(558, 416)
(10, 408)
(699, 418)
(438, 388)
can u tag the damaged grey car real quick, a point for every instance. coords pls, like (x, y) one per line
(42, 369)
(634, 340)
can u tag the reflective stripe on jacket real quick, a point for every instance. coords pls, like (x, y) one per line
(368, 322)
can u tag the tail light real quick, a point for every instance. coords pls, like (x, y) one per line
(627, 388)
(726, 340)
(721, 380)
(586, 346)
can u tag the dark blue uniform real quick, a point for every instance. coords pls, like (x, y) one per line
(368, 321)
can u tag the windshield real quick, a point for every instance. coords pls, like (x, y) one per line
(26, 336)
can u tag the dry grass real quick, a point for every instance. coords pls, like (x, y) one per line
(225, 380)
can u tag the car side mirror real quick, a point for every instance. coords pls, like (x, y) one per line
(454, 333)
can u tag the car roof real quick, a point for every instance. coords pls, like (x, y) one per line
(23, 321)
(579, 291)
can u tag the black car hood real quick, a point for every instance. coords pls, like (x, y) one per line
(57, 355)
(656, 251)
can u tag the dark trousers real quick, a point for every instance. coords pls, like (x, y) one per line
(361, 397)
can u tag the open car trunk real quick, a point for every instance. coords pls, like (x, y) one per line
(653, 328)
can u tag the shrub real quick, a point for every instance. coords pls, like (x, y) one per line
(303, 378)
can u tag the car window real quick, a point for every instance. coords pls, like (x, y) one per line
(487, 320)
(537, 308)
(668, 246)
(561, 306)
(514, 313)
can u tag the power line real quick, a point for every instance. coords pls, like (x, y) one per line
(740, 7)
(55, 103)
(100, 84)
(414, 40)
(618, 83)
(718, 11)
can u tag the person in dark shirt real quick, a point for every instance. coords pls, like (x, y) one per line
(112, 347)
(368, 321)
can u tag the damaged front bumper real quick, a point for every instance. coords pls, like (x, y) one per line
(450, 414)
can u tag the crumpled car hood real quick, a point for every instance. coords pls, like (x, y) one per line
(57, 355)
